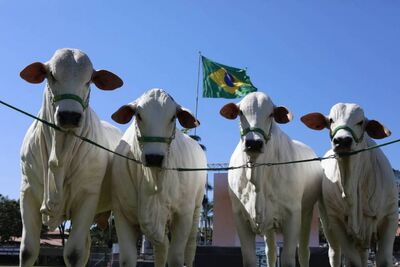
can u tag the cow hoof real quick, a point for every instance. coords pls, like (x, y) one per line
(73, 257)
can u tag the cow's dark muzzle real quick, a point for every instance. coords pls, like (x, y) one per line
(69, 119)
(154, 160)
(253, 146)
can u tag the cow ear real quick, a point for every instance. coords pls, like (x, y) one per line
(34, 73)
(186, 118)
(282, 115)
(230, 111)
(124, 114)
(106, 80)
(315, 121)
(376, 130)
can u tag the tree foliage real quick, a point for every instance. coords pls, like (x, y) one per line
(10, 219)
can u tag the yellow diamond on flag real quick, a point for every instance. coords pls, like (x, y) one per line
(226, 81)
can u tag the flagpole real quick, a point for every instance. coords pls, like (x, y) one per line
(197, 90)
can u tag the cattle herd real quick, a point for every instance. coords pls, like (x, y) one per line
(64, 178)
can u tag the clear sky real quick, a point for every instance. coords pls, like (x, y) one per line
(307, 55)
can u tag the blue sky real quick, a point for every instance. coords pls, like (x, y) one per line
(307, 55)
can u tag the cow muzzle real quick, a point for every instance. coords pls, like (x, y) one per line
(342, 144)
(154, 160)
(69, 119)
(253, 146)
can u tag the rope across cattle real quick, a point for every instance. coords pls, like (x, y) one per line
(211, 167)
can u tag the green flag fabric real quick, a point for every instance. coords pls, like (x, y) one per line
(220, 81)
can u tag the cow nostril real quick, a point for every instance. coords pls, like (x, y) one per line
(336, 141)
(154, 160)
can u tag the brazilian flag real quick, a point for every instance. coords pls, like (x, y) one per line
(220, 81)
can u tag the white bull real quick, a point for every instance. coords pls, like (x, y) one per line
(359, 192)
(61, 174)
(266, 200)
(150, 199)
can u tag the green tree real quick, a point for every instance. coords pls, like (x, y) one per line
(10, 219)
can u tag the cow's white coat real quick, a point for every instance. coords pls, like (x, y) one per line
(61, 174)
(154, 201)
(266, 200)
(359, 192)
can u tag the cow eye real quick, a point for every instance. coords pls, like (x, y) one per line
(173, 118)
(331, 121)
(139, 117)
(360, 123)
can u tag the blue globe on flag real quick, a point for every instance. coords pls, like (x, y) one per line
(229, 79)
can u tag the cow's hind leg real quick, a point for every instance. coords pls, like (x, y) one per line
(128, 235)
(32, 224)
(77, 248)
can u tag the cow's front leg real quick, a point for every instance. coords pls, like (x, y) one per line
(77, 248)
(128, 235)
(270, 248)
(32, 224)
(190, 250)
(247, 240)
(291, 231)
(181, 226)
(161, 253)
(386, 233)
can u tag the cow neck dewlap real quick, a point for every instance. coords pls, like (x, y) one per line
(60, 148)
(263, 211)
(359, 188)
(152, 206)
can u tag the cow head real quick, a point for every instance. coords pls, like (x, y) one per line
(257, 114)
(347, 125)
(69, 74)
(155, 115)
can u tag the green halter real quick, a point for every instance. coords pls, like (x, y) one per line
(258, 130)
(157, 139)
(347, 128)
(84, 103)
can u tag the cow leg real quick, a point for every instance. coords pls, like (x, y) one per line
(161, 253)
(334, 252)
(77, 248)
(247, 240)
(181, 226)
(364, 257)
(32, 224)
(270, 248)
(304, 239)
(128, 235)
(190, 250)
(346, 244)
(291, 231)
(386, 233)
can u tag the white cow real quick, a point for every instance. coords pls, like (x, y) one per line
(359, 192)
(266, 200)
(61, 174)
(152, 200)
